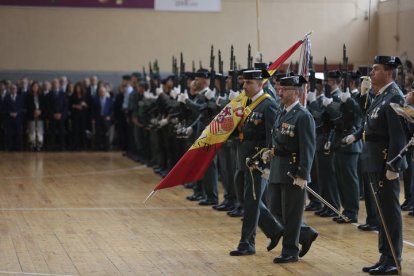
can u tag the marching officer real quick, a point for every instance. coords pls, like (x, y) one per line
(384, 137)
(293, 150)
(255, 126)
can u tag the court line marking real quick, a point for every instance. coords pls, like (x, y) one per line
(376, 232)
(33, 273)
(76, 174)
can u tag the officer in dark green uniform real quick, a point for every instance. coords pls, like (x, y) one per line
(204, 103)
(259, 116)
(293, 142)
(347, 120)
(383, 136)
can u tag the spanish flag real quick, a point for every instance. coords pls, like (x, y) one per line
(193, 164)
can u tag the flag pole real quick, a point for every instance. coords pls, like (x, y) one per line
(257, 25)
(149, 196)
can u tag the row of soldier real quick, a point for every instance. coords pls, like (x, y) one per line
(339, 119)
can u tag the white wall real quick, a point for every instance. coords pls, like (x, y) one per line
(124, 40)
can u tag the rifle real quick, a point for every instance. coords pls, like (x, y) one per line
(183, 76)
(325, 76)
(345, 69)
(200, 65)
(222, 78)
(151, 83)
(193, 65)
(212, 72)
(144, 74)
(312, 78)
(233, 70)
(175, 71)
(249, 58)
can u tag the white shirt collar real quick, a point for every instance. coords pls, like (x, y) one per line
(255, 97)
(290, 107)
(383, 88)
(354, 91)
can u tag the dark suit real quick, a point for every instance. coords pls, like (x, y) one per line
(14, 125)
(57, 104)
(101, 110)
(293, 140)
(384, 138)
(2, 121)
(256, 134)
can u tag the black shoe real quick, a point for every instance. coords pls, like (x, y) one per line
(207, 202)
(328, 214)
(274, 241)
(336, 218)
(236, 213)
(411, 213)
(242, 252)
(188, 185)
(306, 246)
(218, 205)
(407, 208)
(194, 197)
(285, 259)
(226, 207)
(313, 206)
(368, 268)
(342, 221)
(319, 212)
(406, 203)
(367, 227)
(384, 270)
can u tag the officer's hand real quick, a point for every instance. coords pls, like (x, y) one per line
(209, 94)
(300, 182)
(390, 175)
(327, 101)
(182, 98)
(349, 139)
(266, 156)
(233, 94)
(158, 91)
(311, 97)
(365, 85)
(266, 174)
(163, 122)
(175, 92)
(189, 131)
(221, 98)
(345, 96)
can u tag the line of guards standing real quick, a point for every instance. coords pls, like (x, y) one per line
(171, 121)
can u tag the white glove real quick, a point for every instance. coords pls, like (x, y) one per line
(174, 93)
(158, 91)
(233, 94)
(163, 122)
(345, 96)
(300, 182)
(390, 175)
(266, 174)
(267, 155)
(189, 131)
(311, 97)
(349, 139)
(327, 101)
(149, 95)
(221, 98)
(209, 94)
(365, 85)
(182, 98)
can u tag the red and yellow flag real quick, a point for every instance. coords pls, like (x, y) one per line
(193, 164)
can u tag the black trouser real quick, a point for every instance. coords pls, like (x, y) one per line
(388, 199)
(255, 212)
(227, 169)
(57, 134)
(346, 165)
(327, 178)
(102, 133)
(314, 184)
(286, 205)
(407, 179)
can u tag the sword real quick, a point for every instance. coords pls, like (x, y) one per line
(387, 234)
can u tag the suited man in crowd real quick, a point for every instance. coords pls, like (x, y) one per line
(14, 112)
(102, 111)
(57, 112)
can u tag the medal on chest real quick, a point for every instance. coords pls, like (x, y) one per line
(287, 129)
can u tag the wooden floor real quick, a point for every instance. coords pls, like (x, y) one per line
(82, 214)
